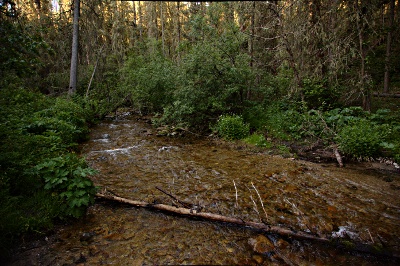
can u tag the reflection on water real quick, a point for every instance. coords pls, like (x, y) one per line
(228, 180)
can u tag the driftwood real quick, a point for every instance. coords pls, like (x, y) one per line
(342, 243)
(216, 217)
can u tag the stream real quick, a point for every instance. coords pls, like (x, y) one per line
(357, 202)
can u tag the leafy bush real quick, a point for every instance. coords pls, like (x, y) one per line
(66, 178)
(37, 132)
(284, 121)
(65, 119)
(232, 127)
(149, 80)
(209, 84)
(362, 139)
(318, 94)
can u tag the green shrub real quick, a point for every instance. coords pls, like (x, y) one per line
(232, 127)
(319, 95)
(149, 80)
(66, 177)
(362, 139)
(36, 132)
(284, 122)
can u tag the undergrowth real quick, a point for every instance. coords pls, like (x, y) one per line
(42, 179)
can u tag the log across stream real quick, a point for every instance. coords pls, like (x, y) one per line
(269, 229)
(216, 217)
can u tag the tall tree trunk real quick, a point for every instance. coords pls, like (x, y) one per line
(151, 20)
(252, 28)
(388, 48)
(162, 27)
(74, 57)
(251, 45)
(365, 90)
(178, 30)
(140, 21)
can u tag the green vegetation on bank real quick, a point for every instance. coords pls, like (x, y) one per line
(42, 177)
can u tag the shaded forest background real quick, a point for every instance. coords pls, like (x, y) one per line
(320, 73)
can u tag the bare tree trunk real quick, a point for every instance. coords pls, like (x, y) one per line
(162, 27)
(251, 40)
(135, 23)
(140, 20)
(366, 93)
(178, 29)
(251, 43)
(388, 48)
(151, 20)
(74, 57)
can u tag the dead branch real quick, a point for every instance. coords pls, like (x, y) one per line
(360, 247)
(216, 217)
(390, 95)
(184, 204)
(262, 204)
(236, 194)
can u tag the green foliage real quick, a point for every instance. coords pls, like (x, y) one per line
(358, 133)
(36, 130)
(211, 78)
(256, 116)
(149, 81)
(362, 139)
(66, 178)
(19, 49)
(283, 121)
(232, 127)
(65, 119)
(211, 83)
(258, 140)
(318, 94)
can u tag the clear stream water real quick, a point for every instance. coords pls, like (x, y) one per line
(357, 203)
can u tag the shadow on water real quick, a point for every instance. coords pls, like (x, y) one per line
(323, 200)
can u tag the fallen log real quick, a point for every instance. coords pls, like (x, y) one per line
(389, 95)
(216, 217)
(342, 243)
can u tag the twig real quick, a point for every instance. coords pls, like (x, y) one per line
(94, 71)
(262, 204)
(255, 205)
(370, 236)
(184, 204)
(300, 212)
(236, 194)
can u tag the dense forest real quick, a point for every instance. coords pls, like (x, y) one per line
(317, 73)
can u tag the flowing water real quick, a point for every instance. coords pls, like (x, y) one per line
(357, 203)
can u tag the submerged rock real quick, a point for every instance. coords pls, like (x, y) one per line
(261, 245)
(87, 236)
